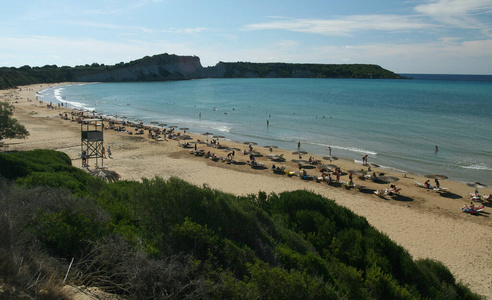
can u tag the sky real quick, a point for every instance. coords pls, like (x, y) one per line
(406, 36)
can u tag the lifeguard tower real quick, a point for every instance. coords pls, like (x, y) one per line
(92, 141)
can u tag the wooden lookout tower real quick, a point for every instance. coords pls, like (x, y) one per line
(92, 141)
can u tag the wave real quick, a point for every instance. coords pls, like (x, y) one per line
(477, 167)
(58, 94)
(350, 149)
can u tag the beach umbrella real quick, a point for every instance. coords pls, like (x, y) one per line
(357, 172)
(184, 128)
(434, 176)
(218, 136)
(329, 166)
(326, 167)
(255, 153)
(270, 147)
(299, 161)
(207, 133)
(173, 126)
(375, 165)
(154, 122)
(250, 143)
(330, 158)
(476, 185)
(388, 178)
(105, 174)
(299, 152)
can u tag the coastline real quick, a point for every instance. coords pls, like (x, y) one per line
(427, 224)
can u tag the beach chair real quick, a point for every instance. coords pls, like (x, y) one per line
(473, 211)
(420, 185)
(290, 173)
(392, 192)
(379, 193)
(360, 187)
(474, 196)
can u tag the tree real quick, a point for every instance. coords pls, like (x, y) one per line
(10, 127)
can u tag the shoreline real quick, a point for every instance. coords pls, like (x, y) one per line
(350, 136)
(427, 224)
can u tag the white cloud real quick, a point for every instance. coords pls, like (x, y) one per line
(445, 55)
(458, 13)
(126, 28)
(346, 25)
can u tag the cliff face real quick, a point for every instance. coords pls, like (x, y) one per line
(155, 68)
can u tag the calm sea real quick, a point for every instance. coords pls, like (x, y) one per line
(397, 123)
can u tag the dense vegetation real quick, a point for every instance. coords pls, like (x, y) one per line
(155, 68)
(283, 70)
(155, 239)
(10, 128)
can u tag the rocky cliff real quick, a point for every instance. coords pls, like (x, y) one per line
(156, 68)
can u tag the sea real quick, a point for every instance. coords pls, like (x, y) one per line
(397, 123)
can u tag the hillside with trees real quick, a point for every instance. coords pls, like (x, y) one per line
(165, 67)
(160, 238)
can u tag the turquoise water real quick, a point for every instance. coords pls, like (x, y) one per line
(396, 122)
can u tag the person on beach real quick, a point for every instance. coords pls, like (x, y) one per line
(109, 152)
(329, 179)
(364, 159)
(329, 151)
(436, 149)
(84, 158)
(299, 145)
(103, 152)
(427, 184)
(436, 182)
(268, 123)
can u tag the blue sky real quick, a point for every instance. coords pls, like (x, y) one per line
(407, 36)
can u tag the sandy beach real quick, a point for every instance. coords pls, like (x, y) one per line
(428, 224)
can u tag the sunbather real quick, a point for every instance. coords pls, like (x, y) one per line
(393, 190)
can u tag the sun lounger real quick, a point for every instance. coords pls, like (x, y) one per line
(473, 211)
(257, 165)
(347, 186)
(279, 170)
(379, 193)
(290, 173)
(392, 192)
(421, 185)
(360, 187)
(474, 196)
